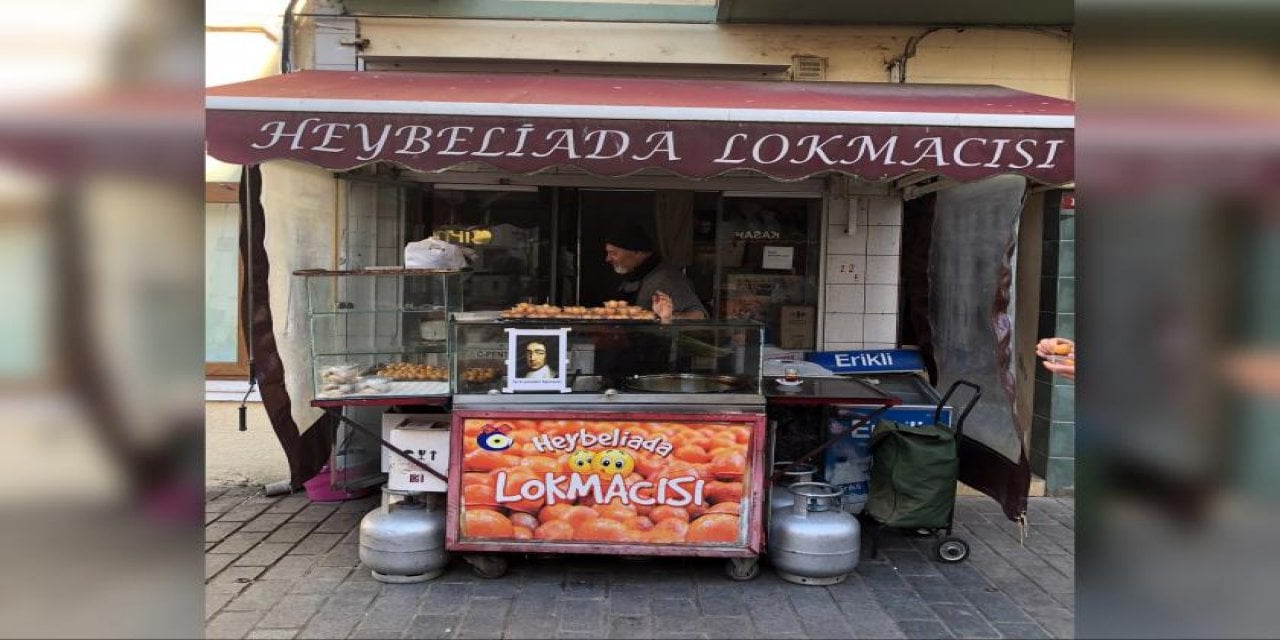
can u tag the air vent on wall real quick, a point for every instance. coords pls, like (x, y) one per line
(808, 68)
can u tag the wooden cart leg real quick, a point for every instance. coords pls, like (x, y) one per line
(487, 566)
(742, 568)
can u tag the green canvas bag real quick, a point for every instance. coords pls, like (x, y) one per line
(913, 475)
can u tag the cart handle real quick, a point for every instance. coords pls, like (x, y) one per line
(973, 401)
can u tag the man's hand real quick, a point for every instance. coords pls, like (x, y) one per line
(663, 306)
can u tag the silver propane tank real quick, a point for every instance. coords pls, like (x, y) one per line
(815, 542)
(791, 473)
(403, 542)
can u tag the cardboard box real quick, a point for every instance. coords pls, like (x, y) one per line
(796, 326)
(426, 438)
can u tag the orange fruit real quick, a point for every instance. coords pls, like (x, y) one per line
(692, 453)
(556, 511)
(484, 523)
(521, 533)
(619, 512)
(478, 495)
(669, 530)
(602, 529)
(714, 527)
(741, 435)
(696, 509)
(482, 460)
(663, 512)
(726, 507)
(640, 523)
(554, 530)
(647, 463)
(717, 491)
(728, 466)
(526, 520)
(578, 514)
(469, 479)
(540, 464)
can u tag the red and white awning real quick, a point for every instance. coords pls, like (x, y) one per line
(610, 126)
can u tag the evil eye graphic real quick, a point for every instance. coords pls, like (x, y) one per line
(613, 461)
(494, 438)
(580, 461)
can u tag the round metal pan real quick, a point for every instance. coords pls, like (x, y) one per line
(682, 383)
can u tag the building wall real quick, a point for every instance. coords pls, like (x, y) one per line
(253, 456)
(1035, 61)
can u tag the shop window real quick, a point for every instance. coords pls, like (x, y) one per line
(767, 250)
(224, 349)
(511, 230)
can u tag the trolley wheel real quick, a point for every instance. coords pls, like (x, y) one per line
(487, 566)
(742, 568)
(952, 550)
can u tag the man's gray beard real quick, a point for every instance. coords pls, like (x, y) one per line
(620, 270)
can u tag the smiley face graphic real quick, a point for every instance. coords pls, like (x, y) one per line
(580, 461)
(612, 462)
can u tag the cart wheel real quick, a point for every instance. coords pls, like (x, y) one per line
(487, 566)
(952, 550)
(742, 568)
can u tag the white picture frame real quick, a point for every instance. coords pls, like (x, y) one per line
(554, 345)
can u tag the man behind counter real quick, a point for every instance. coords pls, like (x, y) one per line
(647, 281)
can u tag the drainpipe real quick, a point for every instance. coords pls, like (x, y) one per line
(286, 39)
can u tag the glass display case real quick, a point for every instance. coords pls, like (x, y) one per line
(575, 360)
(381, 334)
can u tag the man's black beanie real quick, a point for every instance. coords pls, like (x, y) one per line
(631, 238)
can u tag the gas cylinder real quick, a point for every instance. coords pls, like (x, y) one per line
(403, 542)
(815, 542)
(792, 472)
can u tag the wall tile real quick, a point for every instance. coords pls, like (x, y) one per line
(1060, 473)
(885, 212)
(842, 327)
(882, 298)
(884, 241)
(846, 298)
(846, 269)
(883, 269)
(1062, 439)
(880, 345)
(840, 242)
(880, 327)
(842, 346)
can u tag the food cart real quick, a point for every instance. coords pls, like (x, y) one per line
(613, 454)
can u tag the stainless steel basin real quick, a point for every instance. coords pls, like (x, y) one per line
(682, 383)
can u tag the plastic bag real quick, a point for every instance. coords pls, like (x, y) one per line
(432, 253)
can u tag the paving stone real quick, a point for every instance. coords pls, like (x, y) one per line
(730, 627)
(965, 621)
(675, 615)
(911, 563)
(1025, 592)
(273, 634)
(586, 584)
(772, 617)
(314, 513)
(291, 532)
(819, 614)
(446, 598)
(243, 513)
(435, 626)
(233, 580)
(880, 576)
(723, 599)
(222, 505)
(679, 635)
(215, 562)
(214, 601)
(289, 504)
(326, 545)
(630, 627)
(218, 531)
(266, 521)
(290, 568)
(534, 601)
(903, 604)
(209, 517)
(232, 624)
(292, 611)
(486, 616)
(628, 600)
(924, 629)
(240, 542)
(264, 555)
(259, 596)
(1058, 621)
(586, 615)
(1020, 630)
(329, 624)
(340, 523)
(997, 607)
(935, 589)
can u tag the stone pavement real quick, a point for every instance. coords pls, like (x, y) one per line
(285, 567)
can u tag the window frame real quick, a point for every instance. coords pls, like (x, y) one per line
(229, 193)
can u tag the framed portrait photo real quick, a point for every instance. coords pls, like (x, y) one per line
(537, 360)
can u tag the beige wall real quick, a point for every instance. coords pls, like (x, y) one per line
(1036, 61)
(232, 456)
